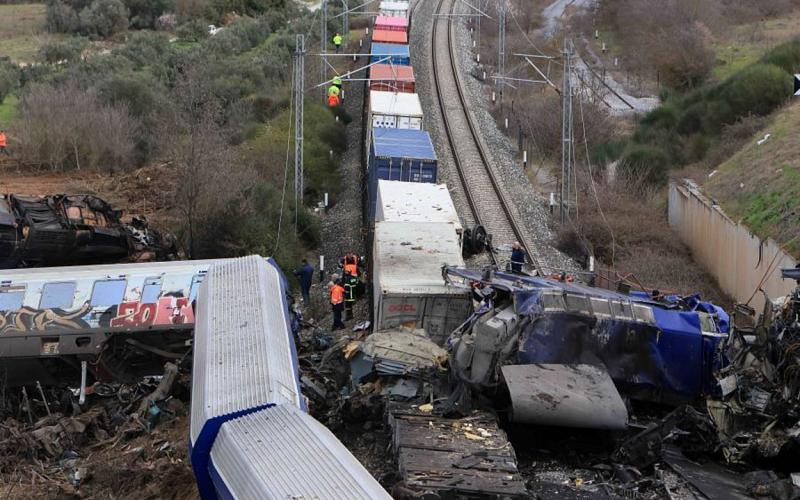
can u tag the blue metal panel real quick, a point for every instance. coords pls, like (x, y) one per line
(399, 53)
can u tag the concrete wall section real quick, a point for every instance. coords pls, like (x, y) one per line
(738, 259)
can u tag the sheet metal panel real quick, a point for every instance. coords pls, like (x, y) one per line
(392, 78)
(415, 202)
(738, 259)
(244, 344)
(391, 23)
(387, 36)
(399, 53)
(281, 453)
(403, 143)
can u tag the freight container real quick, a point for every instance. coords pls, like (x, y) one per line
(391, 23)
(400, 155)
(392, 78)
(395, 110)
(408, 288)
(397, 54)
(398, 201)
(386, 36)
(395, 9)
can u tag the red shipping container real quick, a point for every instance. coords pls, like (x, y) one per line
(386, 36)
(392, 78)
(391, 23)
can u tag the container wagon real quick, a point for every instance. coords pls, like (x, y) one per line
(399, 110)
(398, 53)
(392, 78)
(400, 155)
(391, 23)
(408, 288)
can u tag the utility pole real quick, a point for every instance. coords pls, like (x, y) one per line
(299, 83)
(501, 46)
(345, 22)
(567, 135)
(323, 42)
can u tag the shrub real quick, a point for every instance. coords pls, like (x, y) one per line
(69, 50)
(786, 56)
(146, 49)
(645, 162)
(9, 79)
(166, 22)
(193, 31)
(103, 18)
(758, 90)
(62, 18)
(143, 13)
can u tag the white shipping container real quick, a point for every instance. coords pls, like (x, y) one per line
(408, 287)
(395, 110)
(394, 9)
(398, 201)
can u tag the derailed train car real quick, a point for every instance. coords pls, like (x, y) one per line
(561, 353)
(73, 229)
(123, 319)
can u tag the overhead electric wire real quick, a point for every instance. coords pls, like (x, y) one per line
(285, 168)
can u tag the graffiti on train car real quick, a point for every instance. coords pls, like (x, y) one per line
(169, 309)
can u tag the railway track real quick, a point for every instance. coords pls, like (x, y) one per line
(487, 201)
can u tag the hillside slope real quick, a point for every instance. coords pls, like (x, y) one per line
(760, 184)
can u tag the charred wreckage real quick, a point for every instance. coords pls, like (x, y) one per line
(71, 229)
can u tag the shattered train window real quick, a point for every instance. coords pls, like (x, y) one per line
(707, 323)
(108, 293)
(643, 313)
(57, 295)
(11, 298)
(601, 307)
(578, 303)
(553, 302)
(621, 310)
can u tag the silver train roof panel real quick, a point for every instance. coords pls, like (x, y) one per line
(243, 340)
(282, 452)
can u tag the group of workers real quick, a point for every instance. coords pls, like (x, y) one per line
(343, 289)
(335, 90)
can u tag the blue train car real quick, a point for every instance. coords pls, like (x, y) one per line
(400, 155)
(399, 53)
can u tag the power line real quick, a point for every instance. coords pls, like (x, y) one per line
(285, 168)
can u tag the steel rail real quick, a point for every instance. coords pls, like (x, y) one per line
(480, 185)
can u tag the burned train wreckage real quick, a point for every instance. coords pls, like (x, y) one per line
(564, 349)
(72, 229)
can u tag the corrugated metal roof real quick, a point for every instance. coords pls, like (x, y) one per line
(243, 341)
(282, 453)
(415, 202)
(387, 36)
(395, 72)
(391, 21)
(402, 143)
(395, 103)
(389, 49)
(409, 257)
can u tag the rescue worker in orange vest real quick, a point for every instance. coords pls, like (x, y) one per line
(333, 101)
(350, 282)
(350, 264)
(4, 143)
(337, 302)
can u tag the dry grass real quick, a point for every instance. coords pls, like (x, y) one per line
(22, 31)
(634, 237)
(760, 185)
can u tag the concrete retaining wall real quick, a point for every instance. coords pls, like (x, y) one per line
(737, 258)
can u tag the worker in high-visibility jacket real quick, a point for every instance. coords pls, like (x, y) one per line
(334, 90)
(337, 42)
(350, 264)
(337, 302)
(337, 81)
(333, 101)
(4, 143)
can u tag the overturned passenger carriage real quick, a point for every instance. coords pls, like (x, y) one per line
(73, 229)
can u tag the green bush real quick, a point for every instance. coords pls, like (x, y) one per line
(645, 162)
(146, 49)
(69, 50)
(193, 31)
(757, 89)
(786, 56)
(143, 13)
(62, 18)
(9, 79)
(103, 18)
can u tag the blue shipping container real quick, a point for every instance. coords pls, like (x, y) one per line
(399, 53)
(400, 155)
